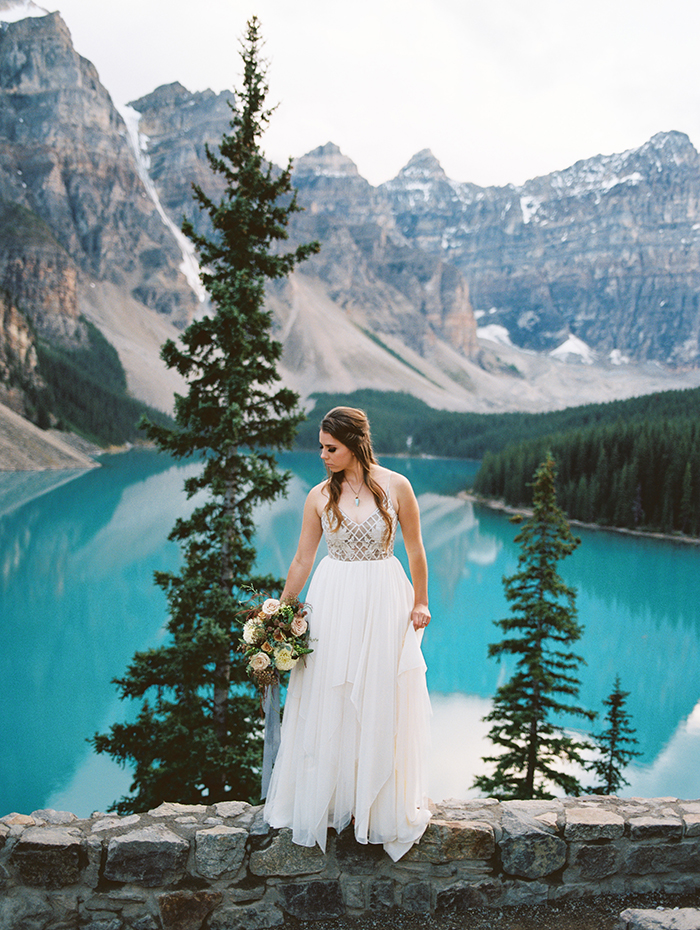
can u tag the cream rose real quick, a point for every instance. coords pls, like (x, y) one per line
(270, 606)
(299, 626)
(259, 662)
(253, 631)
(284, 660)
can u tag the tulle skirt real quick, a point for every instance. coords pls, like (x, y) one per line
(356, 725)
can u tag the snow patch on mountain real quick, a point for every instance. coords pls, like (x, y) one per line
(529, 207)
(139, 146)
(617, 358)
(12, 11)
(576, 347)
(494, 333)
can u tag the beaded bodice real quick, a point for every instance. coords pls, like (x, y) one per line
(360, 542)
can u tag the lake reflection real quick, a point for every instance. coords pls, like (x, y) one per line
(77, 596)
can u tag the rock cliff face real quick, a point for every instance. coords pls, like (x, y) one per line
(65, 157)
(607, 250)
(176, 128)
(371, 270)
(18, 361)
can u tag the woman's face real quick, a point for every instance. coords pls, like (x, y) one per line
(334, 455)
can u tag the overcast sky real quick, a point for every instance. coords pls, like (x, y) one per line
(499, 90)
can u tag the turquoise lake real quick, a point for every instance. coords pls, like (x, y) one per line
(77, 599)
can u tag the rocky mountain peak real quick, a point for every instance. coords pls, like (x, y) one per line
(13, 10)
(28, 44)
(67, 164)
(170, 98)
(327, 161)
(671, 148)
(423, 166)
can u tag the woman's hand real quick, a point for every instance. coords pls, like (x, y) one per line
(420, 616)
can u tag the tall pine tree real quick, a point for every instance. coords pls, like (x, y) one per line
(196, 738)
(539, 632)
(614, 744)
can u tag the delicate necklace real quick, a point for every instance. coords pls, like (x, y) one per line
(356, 493)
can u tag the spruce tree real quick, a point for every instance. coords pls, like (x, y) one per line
(197, 735)
(541, 628)
(614, 744)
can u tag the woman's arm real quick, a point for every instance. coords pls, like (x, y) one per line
(409, 518)
(310, 537)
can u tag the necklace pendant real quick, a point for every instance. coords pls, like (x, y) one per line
(357, 501)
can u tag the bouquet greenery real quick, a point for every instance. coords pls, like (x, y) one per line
(275, 636)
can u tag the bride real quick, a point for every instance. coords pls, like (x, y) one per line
(355, 731)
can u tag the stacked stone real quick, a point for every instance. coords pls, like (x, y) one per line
(183, 867)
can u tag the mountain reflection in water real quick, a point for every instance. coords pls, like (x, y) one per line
(78, 599)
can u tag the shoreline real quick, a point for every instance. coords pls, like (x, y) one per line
(496, 504)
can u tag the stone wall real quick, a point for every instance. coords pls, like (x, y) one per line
(188, 867)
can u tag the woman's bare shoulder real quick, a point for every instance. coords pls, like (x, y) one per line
(386, 477)
(318, 495)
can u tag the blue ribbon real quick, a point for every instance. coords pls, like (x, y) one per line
(271, 709)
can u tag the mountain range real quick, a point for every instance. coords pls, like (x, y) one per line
(580, 285)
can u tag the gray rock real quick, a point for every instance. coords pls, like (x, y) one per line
(447, 841)
(247, 890)
(187, 910)
(30, 909)
(54, 817)
(592, 823)
(354, 893)
(416, 897)
(517, 893)
(653, 827)
(685, 918)
(103, 923)
(15, 819)
(283, 857)
(91, 874)
(167, 809)
(463, 896)
(527, 849)
(258, 826)
(250, 917)
(49, 857)
(115, 823)
(219, 849)
(671, 857)
(144, 923)
(152, 856)
(315, 900)
(531, 808)
(596, 862)
(381, 894)
(229, 809)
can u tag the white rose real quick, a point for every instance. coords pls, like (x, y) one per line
(253, 631)
(270, 606)
(299, 626)
(259, 662)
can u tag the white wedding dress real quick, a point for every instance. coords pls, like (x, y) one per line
(356, 726)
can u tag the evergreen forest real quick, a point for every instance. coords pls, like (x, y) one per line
(639, 471)
(86, 392)
(630, 463)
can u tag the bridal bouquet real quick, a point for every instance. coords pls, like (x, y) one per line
(275, 637)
